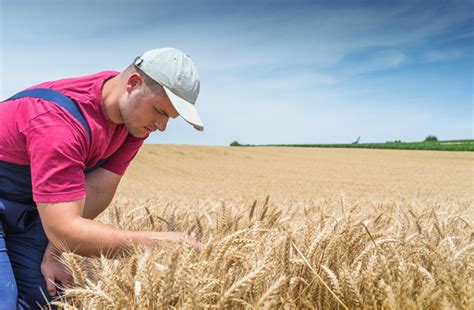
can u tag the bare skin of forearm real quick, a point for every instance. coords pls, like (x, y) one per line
(89, 238)
(64, 225)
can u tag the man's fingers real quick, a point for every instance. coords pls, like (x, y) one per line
(66, 280)
(50, 285)
(199, 246)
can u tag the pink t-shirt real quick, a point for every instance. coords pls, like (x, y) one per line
(43, 135)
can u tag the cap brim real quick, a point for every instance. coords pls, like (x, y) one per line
(185, 109)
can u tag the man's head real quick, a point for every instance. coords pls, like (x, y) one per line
(160, 84)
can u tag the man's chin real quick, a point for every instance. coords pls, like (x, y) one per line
(139, 132)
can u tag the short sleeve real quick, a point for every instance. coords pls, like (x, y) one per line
(119, 161)
(57, 150)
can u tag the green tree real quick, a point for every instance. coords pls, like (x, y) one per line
(235, 143)
(431, 139)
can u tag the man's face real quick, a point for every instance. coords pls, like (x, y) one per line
(145, 111)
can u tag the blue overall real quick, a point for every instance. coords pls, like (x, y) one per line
(22, 238)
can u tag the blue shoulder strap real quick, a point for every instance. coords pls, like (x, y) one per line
(58, 98)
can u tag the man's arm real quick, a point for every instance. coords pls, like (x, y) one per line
(64, 225)
(101, 185)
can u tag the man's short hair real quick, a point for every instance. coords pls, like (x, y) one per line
(151, 85)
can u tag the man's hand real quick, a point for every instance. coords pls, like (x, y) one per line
(54, 270)
(162, 237)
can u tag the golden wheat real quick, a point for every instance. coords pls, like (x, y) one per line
(267, 255)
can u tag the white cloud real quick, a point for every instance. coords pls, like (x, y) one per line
(383, 60)
(443, 55)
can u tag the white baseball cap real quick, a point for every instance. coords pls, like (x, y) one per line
(177, 74)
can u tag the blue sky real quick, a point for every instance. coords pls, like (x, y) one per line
(271, 71)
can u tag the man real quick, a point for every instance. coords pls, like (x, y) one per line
(64, 146)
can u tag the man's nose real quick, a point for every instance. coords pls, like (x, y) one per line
(161, 123)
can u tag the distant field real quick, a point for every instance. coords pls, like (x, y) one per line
(185, 172)
(449, 145)
(290, 228)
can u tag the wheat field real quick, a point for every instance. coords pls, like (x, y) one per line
(289, 228)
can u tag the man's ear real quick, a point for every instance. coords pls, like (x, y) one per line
(134, 81)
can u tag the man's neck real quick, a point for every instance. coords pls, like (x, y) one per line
(110, 100)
